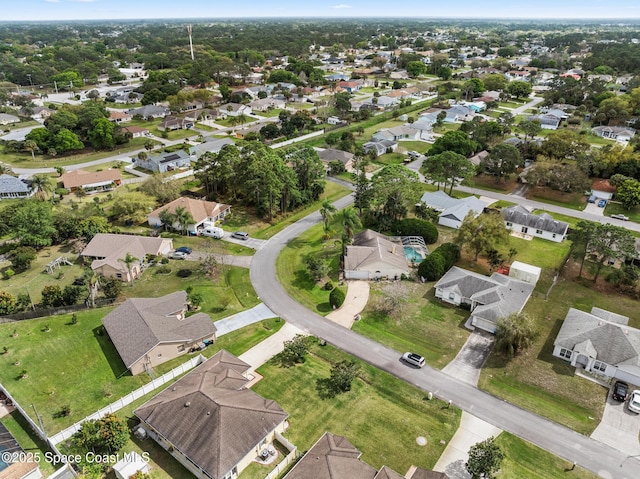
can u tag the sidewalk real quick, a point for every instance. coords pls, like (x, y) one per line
(354, 303)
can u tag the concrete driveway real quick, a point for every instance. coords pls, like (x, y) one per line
(619, 428)
(468, 362)
(354, 303)
(594, 209)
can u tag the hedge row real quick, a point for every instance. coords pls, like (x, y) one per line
(439, 261)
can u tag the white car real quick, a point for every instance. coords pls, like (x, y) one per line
(634, 402)
(178, 255)
(620, 217)
(414, 359)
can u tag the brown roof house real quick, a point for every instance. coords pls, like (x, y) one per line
(210, 422)
(334, 457)
(107, 251)
(201, 211)
(92, 181)
(373, 255)
(150, 331)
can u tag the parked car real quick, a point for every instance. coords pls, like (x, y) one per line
(634, 402)
(620, 217)
(241, 235)
(178, 255)
(413, 359)
(602, 203)
(620, 391)
(184, 249)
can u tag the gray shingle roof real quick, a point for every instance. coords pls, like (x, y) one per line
(214, 423)
(498, 295)
(11, 184)
(140, 324)
(520, 215)
(371, 248)
(614, 343)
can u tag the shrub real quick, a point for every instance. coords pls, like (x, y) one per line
(7, 303)
(111, 287)
(432, 268)
(336, 298)
(417, 227)
(184, 273)
(163, 269)
(8, 274)
(164, 260)
(22, 257)
(328, 286)
(451, 254)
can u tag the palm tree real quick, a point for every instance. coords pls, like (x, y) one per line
(5, 169)
(42, 184)
(128, 260)
(183, 218)
(167, 218)
(326, 211)
(59, 170)
(31, 146)
(350, 222)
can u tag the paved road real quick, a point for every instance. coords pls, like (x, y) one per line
(584, 215)
(588, 453)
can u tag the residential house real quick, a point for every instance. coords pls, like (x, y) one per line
(211, 145)
(374, 256)
(602, 189)
(204, 114)
(458, 113)
(617, 133)
(40, 113)
(488, 297)
(106, 251)
(521, 221)
(328, 155)
(118, 117)
(551, 119)
(397, 133)
(334, 457)
(211, 422)
(6, 119)
(192, 105)
(164, 161)
(171, 123)
(334, 120)
(453, 211)
(147, 332)
(136, 131)
(265, 104)
(92, 181)
(15, 463)
(233, 109)
(12, 188)
(201, 211)
(150, 112)
(380, 146)
(337, 77)
(351, 85)
(479, 157)
(600, 343)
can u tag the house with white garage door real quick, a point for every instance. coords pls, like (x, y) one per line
(600, 343)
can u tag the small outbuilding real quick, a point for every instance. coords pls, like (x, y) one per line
(129, 465)
(525, 272)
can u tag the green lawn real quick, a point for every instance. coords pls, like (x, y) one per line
(245, 219)
(421, 323)
(613, 207)
(537, 381)
(73, 358)
(524, 460)
(574, 201)
(228, 293)
(206, 244)
(381, 415)
(292, 271)
(36, 278)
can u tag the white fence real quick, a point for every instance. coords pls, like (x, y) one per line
(289, 458)
(128, 399)
(33, 425)
(298, 139)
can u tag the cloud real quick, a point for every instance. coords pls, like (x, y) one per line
(341, 6)
(52, 1)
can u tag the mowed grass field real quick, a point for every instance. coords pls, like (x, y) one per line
(381, 415)
(77, 364)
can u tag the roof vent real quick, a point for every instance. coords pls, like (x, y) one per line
(208, 413)
(187, 404)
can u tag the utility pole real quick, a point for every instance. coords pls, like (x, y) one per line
(30, 300)
(55, 85)
(39, 420)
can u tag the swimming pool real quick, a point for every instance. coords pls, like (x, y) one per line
(3, 465)
(412, 254)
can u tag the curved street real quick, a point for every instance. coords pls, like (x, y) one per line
(586, 452)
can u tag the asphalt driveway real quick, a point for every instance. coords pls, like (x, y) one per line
(619, 428)
(468, 362)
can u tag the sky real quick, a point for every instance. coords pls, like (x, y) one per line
(22, 10)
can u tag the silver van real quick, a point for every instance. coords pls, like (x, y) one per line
(413, 359)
